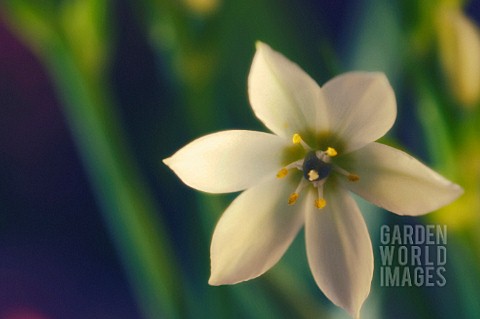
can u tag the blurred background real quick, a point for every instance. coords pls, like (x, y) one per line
(95, 93)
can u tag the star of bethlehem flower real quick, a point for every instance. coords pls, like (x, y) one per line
(322, 148)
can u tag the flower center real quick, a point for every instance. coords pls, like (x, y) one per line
(316, 167)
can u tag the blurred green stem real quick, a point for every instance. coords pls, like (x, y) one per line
(128, 206)
(435, 126)
(445, 138)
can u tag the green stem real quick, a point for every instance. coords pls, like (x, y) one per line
(437, 132)
(128, 207)
(441, 132)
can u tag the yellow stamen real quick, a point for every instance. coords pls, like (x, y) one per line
(296, 139)
(293, 198)
(282, 173)
(320, 203)
(353, 177)
(331, 152)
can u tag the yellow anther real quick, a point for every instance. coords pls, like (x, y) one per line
(293, 198)
(331, 152)
(296, 139)
(282, 173)
(353, 177)
(320, 203)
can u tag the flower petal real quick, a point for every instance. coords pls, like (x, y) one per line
(228, 161)
(254, 232)
(282, 95)
(339, 249)
(361, 107)
(398, 182)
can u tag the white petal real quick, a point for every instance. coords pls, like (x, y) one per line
(282, 95)
(361, 107)
(254, 232)
(398, 182)
(339, 250)
(228, 161)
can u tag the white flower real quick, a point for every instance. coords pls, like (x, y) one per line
(322, 148)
